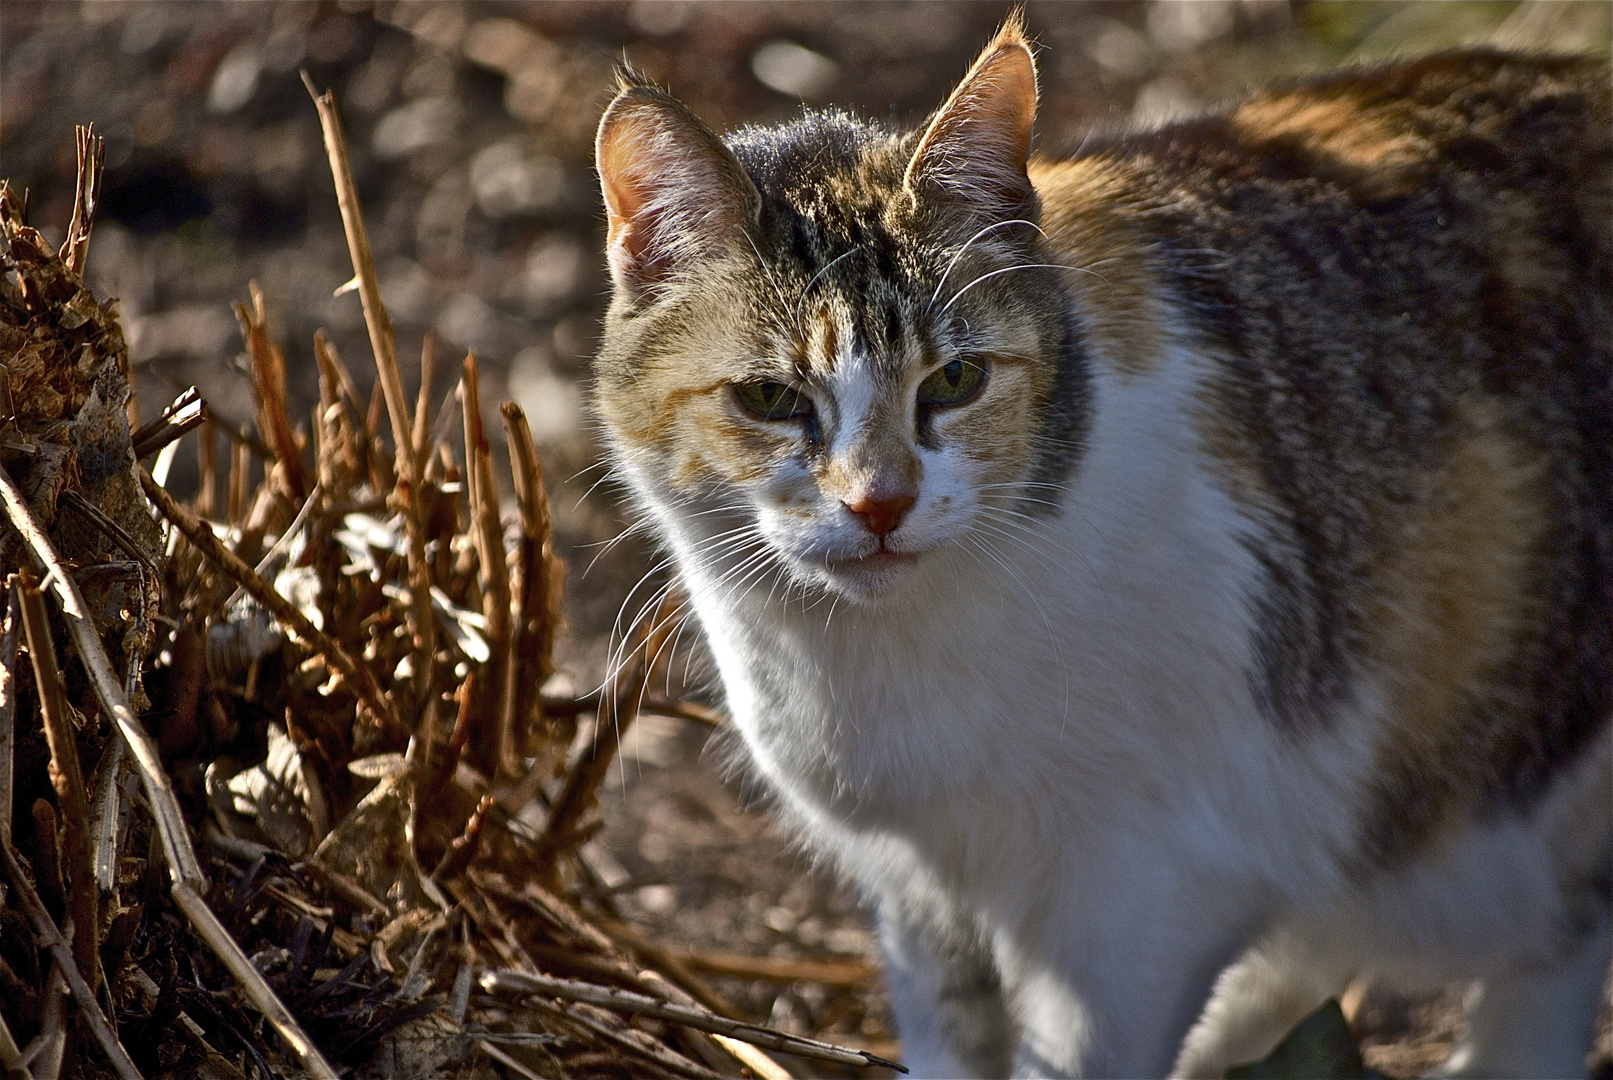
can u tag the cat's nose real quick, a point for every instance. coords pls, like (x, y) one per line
(880, 516)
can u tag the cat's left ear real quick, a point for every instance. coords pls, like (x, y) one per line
(974, 150)
(673, 193)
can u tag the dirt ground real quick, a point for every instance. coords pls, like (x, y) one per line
(471, 129)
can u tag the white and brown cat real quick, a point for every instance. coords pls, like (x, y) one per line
(1177, 574)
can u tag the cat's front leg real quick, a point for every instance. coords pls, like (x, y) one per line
(1110, 982)
(947, 995)
(1537, 1021)
(1104, 1020)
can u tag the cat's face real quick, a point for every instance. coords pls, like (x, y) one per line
(831, 349)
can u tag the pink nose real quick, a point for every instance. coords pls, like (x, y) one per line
(881, 516)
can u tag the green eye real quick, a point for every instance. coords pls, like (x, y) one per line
(773, 400)
(953, 383)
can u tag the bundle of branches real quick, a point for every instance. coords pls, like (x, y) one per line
(399, 884)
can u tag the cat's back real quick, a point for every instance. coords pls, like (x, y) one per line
(1475, 183)
(1478, 183)
(1402, 279)
(1379, 132)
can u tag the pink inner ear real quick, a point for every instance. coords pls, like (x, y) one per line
(976, 147)
(630, 169)
(672, 192)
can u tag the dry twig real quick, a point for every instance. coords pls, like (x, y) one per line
(343, 886)
(8, 706)
(536, 609)
(844, 974)
(108, 687)
(296, 623)
(51, 938)
(516, 982)
(75, 250)
(185, 413)
(182, 863)
(114, 532)
(498, 747)
(66, 777)
(391, 380)
(11, 1058)
(47, 1048)
(269, 369)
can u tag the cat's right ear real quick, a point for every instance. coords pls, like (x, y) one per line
(673, 193)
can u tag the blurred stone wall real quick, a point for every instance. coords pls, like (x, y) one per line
(471, 130)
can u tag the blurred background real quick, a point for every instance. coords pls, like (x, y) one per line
(470, 127)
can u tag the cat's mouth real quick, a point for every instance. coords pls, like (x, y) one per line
(870, 573)
(879, 560)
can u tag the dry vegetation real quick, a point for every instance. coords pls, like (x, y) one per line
(407, 856)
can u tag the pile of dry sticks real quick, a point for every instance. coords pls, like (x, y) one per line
(397, 884)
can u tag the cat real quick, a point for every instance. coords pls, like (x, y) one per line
(1177, 573)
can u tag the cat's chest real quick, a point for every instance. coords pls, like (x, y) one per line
(875, 717)
(1036, 678)
(873, 695)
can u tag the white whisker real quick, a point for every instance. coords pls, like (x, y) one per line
(1022, 266)
(939, 285)
(822, 271)
(767, 271)
(1052, 638)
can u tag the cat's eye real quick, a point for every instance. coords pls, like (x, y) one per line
(773, 400)
(953, 383)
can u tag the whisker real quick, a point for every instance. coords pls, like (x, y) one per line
(761, 554)
(1052, 638)
(1022, 519)
(754, 570)
(724, 542)
(939, 285)
(605, 546)
(620, 654)
(1047, 562)
(822, 271)
(603, 463)
(767, 272)
(1025, 523)
(834, 605)
(1022, 266)
(595, 486)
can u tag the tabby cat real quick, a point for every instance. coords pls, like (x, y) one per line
(1175, 580)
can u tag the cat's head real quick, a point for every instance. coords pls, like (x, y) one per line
(833, 349)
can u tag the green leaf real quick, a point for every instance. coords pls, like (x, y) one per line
(1319, 1048)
